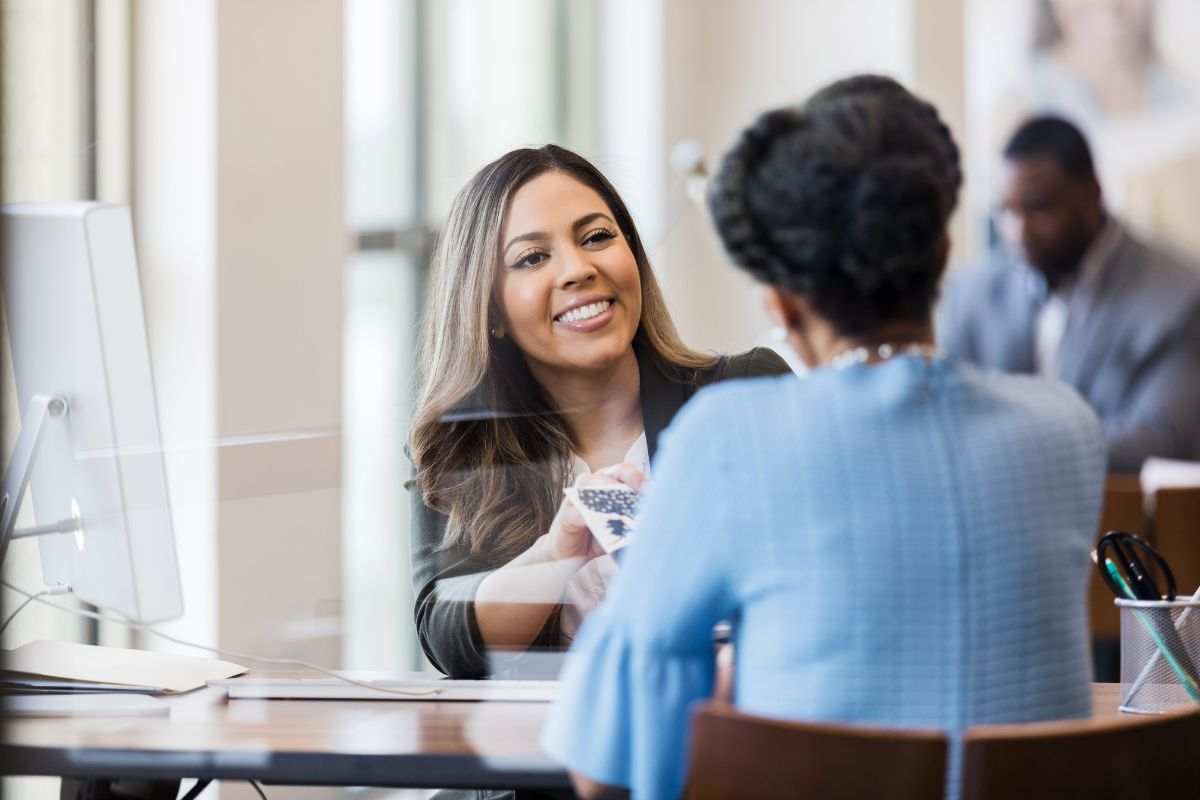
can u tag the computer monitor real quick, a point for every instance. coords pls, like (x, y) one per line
(81, 362)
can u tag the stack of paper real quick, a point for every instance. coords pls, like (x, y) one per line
(54, 667)
(83, 705)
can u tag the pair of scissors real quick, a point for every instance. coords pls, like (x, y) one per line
(1131, 554)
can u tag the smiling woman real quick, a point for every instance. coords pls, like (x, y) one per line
(569, 292)
(548, 357)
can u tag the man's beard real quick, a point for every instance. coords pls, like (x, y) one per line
(1061, 263)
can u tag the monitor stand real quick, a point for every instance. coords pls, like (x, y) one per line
(20, 468)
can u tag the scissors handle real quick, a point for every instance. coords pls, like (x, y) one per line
(1138, 578)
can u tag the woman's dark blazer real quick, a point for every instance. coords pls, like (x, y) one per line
(446, 580)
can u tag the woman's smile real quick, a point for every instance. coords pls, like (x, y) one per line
(587, 315)
(567, 288)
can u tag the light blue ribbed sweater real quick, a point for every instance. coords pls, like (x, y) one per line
(900, 544)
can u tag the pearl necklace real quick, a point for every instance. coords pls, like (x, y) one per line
(861, 355)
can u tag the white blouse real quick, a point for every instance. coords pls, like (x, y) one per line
(587, 587)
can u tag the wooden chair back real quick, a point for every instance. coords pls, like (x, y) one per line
(1131, 758)
(736, 755)
(1177, 534)
(1123, 511)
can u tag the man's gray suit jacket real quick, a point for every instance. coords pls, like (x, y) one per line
(1131, 347)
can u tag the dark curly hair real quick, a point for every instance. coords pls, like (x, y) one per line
(843, 200)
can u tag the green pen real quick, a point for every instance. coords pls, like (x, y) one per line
(1189, 682)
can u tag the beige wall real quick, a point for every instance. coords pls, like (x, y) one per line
(281, 253)
(238, 193)
(44, 142)
(939, 60)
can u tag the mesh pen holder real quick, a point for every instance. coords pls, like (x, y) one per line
(1160, 655)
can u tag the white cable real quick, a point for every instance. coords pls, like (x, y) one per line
(285, 662)
(21, 608)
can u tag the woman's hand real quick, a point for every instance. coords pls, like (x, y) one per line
(569, 536)
(513, 603)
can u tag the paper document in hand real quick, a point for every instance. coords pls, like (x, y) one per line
(608, 512)
(87, 663)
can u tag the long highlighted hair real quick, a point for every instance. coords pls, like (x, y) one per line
(491, 450)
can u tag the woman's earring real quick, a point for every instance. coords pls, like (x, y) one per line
(496, 333)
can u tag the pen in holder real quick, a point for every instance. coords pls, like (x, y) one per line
(1160, 647)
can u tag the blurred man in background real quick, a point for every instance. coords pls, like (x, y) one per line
(1074, 296)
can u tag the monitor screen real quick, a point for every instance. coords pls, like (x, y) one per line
(73, 304)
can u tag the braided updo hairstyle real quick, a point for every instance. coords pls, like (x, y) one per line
(843, 200)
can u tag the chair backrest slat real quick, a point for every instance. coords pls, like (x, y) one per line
(1155, 758)
(736, 755)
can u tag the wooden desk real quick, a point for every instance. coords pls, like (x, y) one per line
(1106, 700)
(314, 742)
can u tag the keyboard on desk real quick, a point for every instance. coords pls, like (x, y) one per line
(411, 688)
